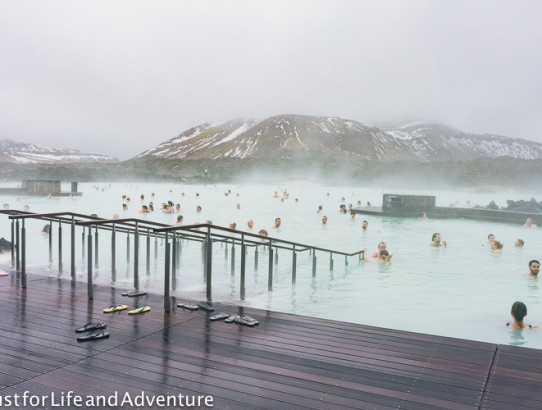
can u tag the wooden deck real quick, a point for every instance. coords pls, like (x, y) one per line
(287, 362)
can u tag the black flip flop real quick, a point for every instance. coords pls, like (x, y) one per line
(90, 326)
(188, 306)
(206, 306)
(93, 336)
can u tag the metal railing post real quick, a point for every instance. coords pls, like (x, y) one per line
(59, 246)
(314, 263)
(90, 288)
(17, 248)
(12, 246)
(232, 258)
(209, 266)
(148, 267)
(136, 257)
(128, 247)
(50, 243)
(270, 273)
(83, 243)
(294, 265)
(96, 247)
(256, 258)
(23, 260)
(72, 248)
(113, 253)
(243, 260)
(174, 261)
(167, 301)
(331, 261)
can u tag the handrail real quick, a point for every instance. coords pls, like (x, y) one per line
(204, 233)
(264, 238)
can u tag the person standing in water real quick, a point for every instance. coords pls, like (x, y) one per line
(518, 312)
(436, 241)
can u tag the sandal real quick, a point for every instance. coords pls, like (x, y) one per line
(90, 326)
(115, 308)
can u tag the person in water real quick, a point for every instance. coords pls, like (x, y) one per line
(496, 247)
(383, 256)
(518, 312)
(519, 243)
(534, 268)
(436, 241)
(381, 247)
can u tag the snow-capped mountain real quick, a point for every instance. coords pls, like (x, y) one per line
(25, 153)
(298, 136)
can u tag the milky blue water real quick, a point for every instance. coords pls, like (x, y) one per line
(462, 291)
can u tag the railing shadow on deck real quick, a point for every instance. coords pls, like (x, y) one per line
(206, 234)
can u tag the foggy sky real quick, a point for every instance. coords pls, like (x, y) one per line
(119, 77)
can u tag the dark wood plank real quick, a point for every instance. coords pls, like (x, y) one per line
(287, 362)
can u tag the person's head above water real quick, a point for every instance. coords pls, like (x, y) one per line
(519, 311)
(534, 267)
(519, 243)
(490, 237)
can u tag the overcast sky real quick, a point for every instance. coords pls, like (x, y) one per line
(119, 77)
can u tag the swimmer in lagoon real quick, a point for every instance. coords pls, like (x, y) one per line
(529, 223)
(364, 225)
(518, 312)
(324, 220)
(519, 243)
(534, 268)
(179, 221)
(436, 241)
(277, 223)
(383, 256)
(381, 247)
(496, 247)
(250, 224)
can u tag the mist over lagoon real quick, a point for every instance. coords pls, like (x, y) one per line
(462, 291)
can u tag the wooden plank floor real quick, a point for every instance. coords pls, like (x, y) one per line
(287, 362)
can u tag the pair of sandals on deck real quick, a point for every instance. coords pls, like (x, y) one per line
(135, 311)
(242, 320)
(93, 331)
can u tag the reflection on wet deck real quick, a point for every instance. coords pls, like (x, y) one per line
(287, 361)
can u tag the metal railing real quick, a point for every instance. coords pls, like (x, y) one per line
(206, 234)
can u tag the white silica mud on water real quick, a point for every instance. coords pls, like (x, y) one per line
(462, 291)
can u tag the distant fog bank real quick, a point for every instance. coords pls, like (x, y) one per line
(502, 172)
